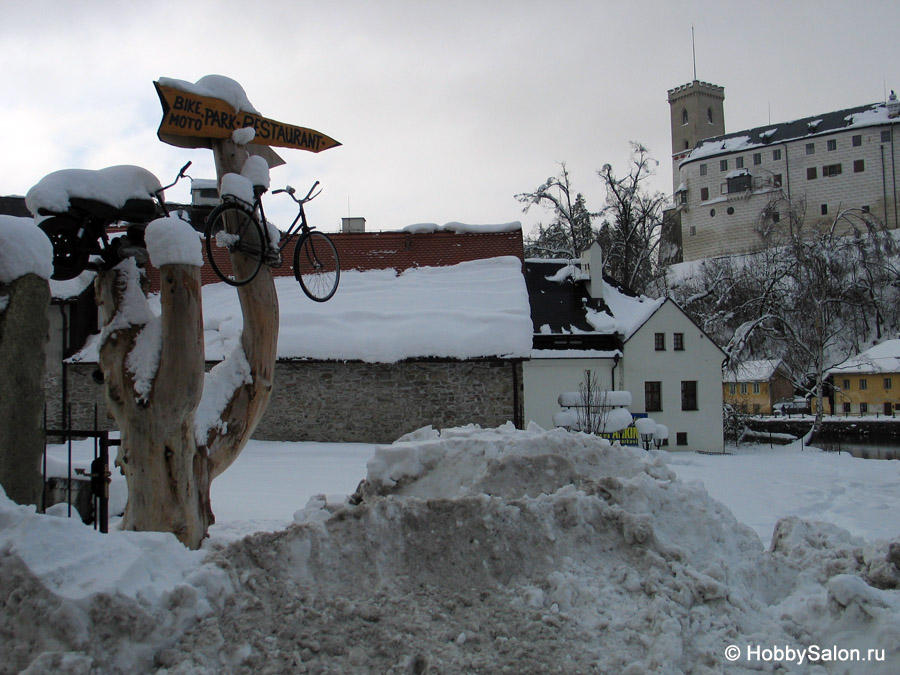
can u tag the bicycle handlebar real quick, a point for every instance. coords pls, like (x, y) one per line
(309, 195)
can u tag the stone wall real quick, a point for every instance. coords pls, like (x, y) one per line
(353, 402)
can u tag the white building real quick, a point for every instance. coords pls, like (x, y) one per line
(723, 182)
(649, 348)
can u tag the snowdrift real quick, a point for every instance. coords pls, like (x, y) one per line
(466, 550)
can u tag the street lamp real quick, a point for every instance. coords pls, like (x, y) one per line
(660, 435)
(646, 427)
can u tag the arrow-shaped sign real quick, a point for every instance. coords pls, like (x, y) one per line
(191, 115)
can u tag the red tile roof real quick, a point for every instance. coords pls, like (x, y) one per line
(397, 250)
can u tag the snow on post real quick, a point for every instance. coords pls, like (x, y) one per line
(24, 249)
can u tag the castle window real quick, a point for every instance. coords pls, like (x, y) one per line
(832, 144)
(740, 183)
(739, 162)
(757, 158)
(831, 170)
(810, 148)
(811, 173)
(824, 209)
(703, 169)
(723, 165)
(776, 180)
(712, 213)
(857, 141)
(776, 155)
(886, 136)
(704, 194)
(684, 116)
(686, 145)
(859, 165)
(730, 211)
(709, 115)
(776, 217)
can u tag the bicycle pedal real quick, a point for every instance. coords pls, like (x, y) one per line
(274, 259)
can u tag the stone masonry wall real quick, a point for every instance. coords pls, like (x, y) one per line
(349, 402)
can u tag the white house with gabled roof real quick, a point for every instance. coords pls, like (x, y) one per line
(648, 347)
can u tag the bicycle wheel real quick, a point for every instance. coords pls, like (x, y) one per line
(70, 255)
(235, 244)
(316, 265)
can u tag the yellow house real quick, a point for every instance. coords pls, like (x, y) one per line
(755, 386)
(869, 383)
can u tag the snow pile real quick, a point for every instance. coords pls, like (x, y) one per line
(114, 185)
(172, 241)
(24, 249)
(465, 550)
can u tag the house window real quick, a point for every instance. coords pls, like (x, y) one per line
(756, 387)
(776, 155)
(739, 162)
(659, 342)
(732, 388)
(757, 158)
(704, 194)
(743, 387)
(810, 148)
(824, 209)
(846, 407)
(857, 141)
(703, 169)
(886, 136)
(681, 438)
(863, 384)
(831, 170)
(653, 396)
(832, 144)
(846, 385)
(678, 340)
(723, 165)
(859, 165)
(888, 383)
(863, 408)
(811, 173)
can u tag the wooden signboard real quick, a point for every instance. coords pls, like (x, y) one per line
(190, 120)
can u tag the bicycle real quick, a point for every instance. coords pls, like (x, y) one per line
(235, 227)
(80, 232)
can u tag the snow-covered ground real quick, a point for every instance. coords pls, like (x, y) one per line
(476, 551)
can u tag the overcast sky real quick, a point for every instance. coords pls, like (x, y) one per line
(446, 110)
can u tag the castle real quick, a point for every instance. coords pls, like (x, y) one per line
(723, 183)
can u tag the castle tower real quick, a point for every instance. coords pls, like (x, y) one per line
(697, 111)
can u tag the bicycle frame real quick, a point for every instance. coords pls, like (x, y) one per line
(293, 230)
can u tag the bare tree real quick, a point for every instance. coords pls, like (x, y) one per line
(570, 232)
(632, 222)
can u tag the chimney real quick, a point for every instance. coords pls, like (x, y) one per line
(353, 225)
(592, 268)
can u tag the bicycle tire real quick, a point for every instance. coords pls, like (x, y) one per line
(70, 254)
(317, 266)
(235, 244)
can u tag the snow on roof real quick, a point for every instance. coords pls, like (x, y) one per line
(462, 228)
(113, 185)
(882, 358)
(628, 312)
(24, 249)
(761, 370)
(470, 310)
(215, 86)
(842, 120)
